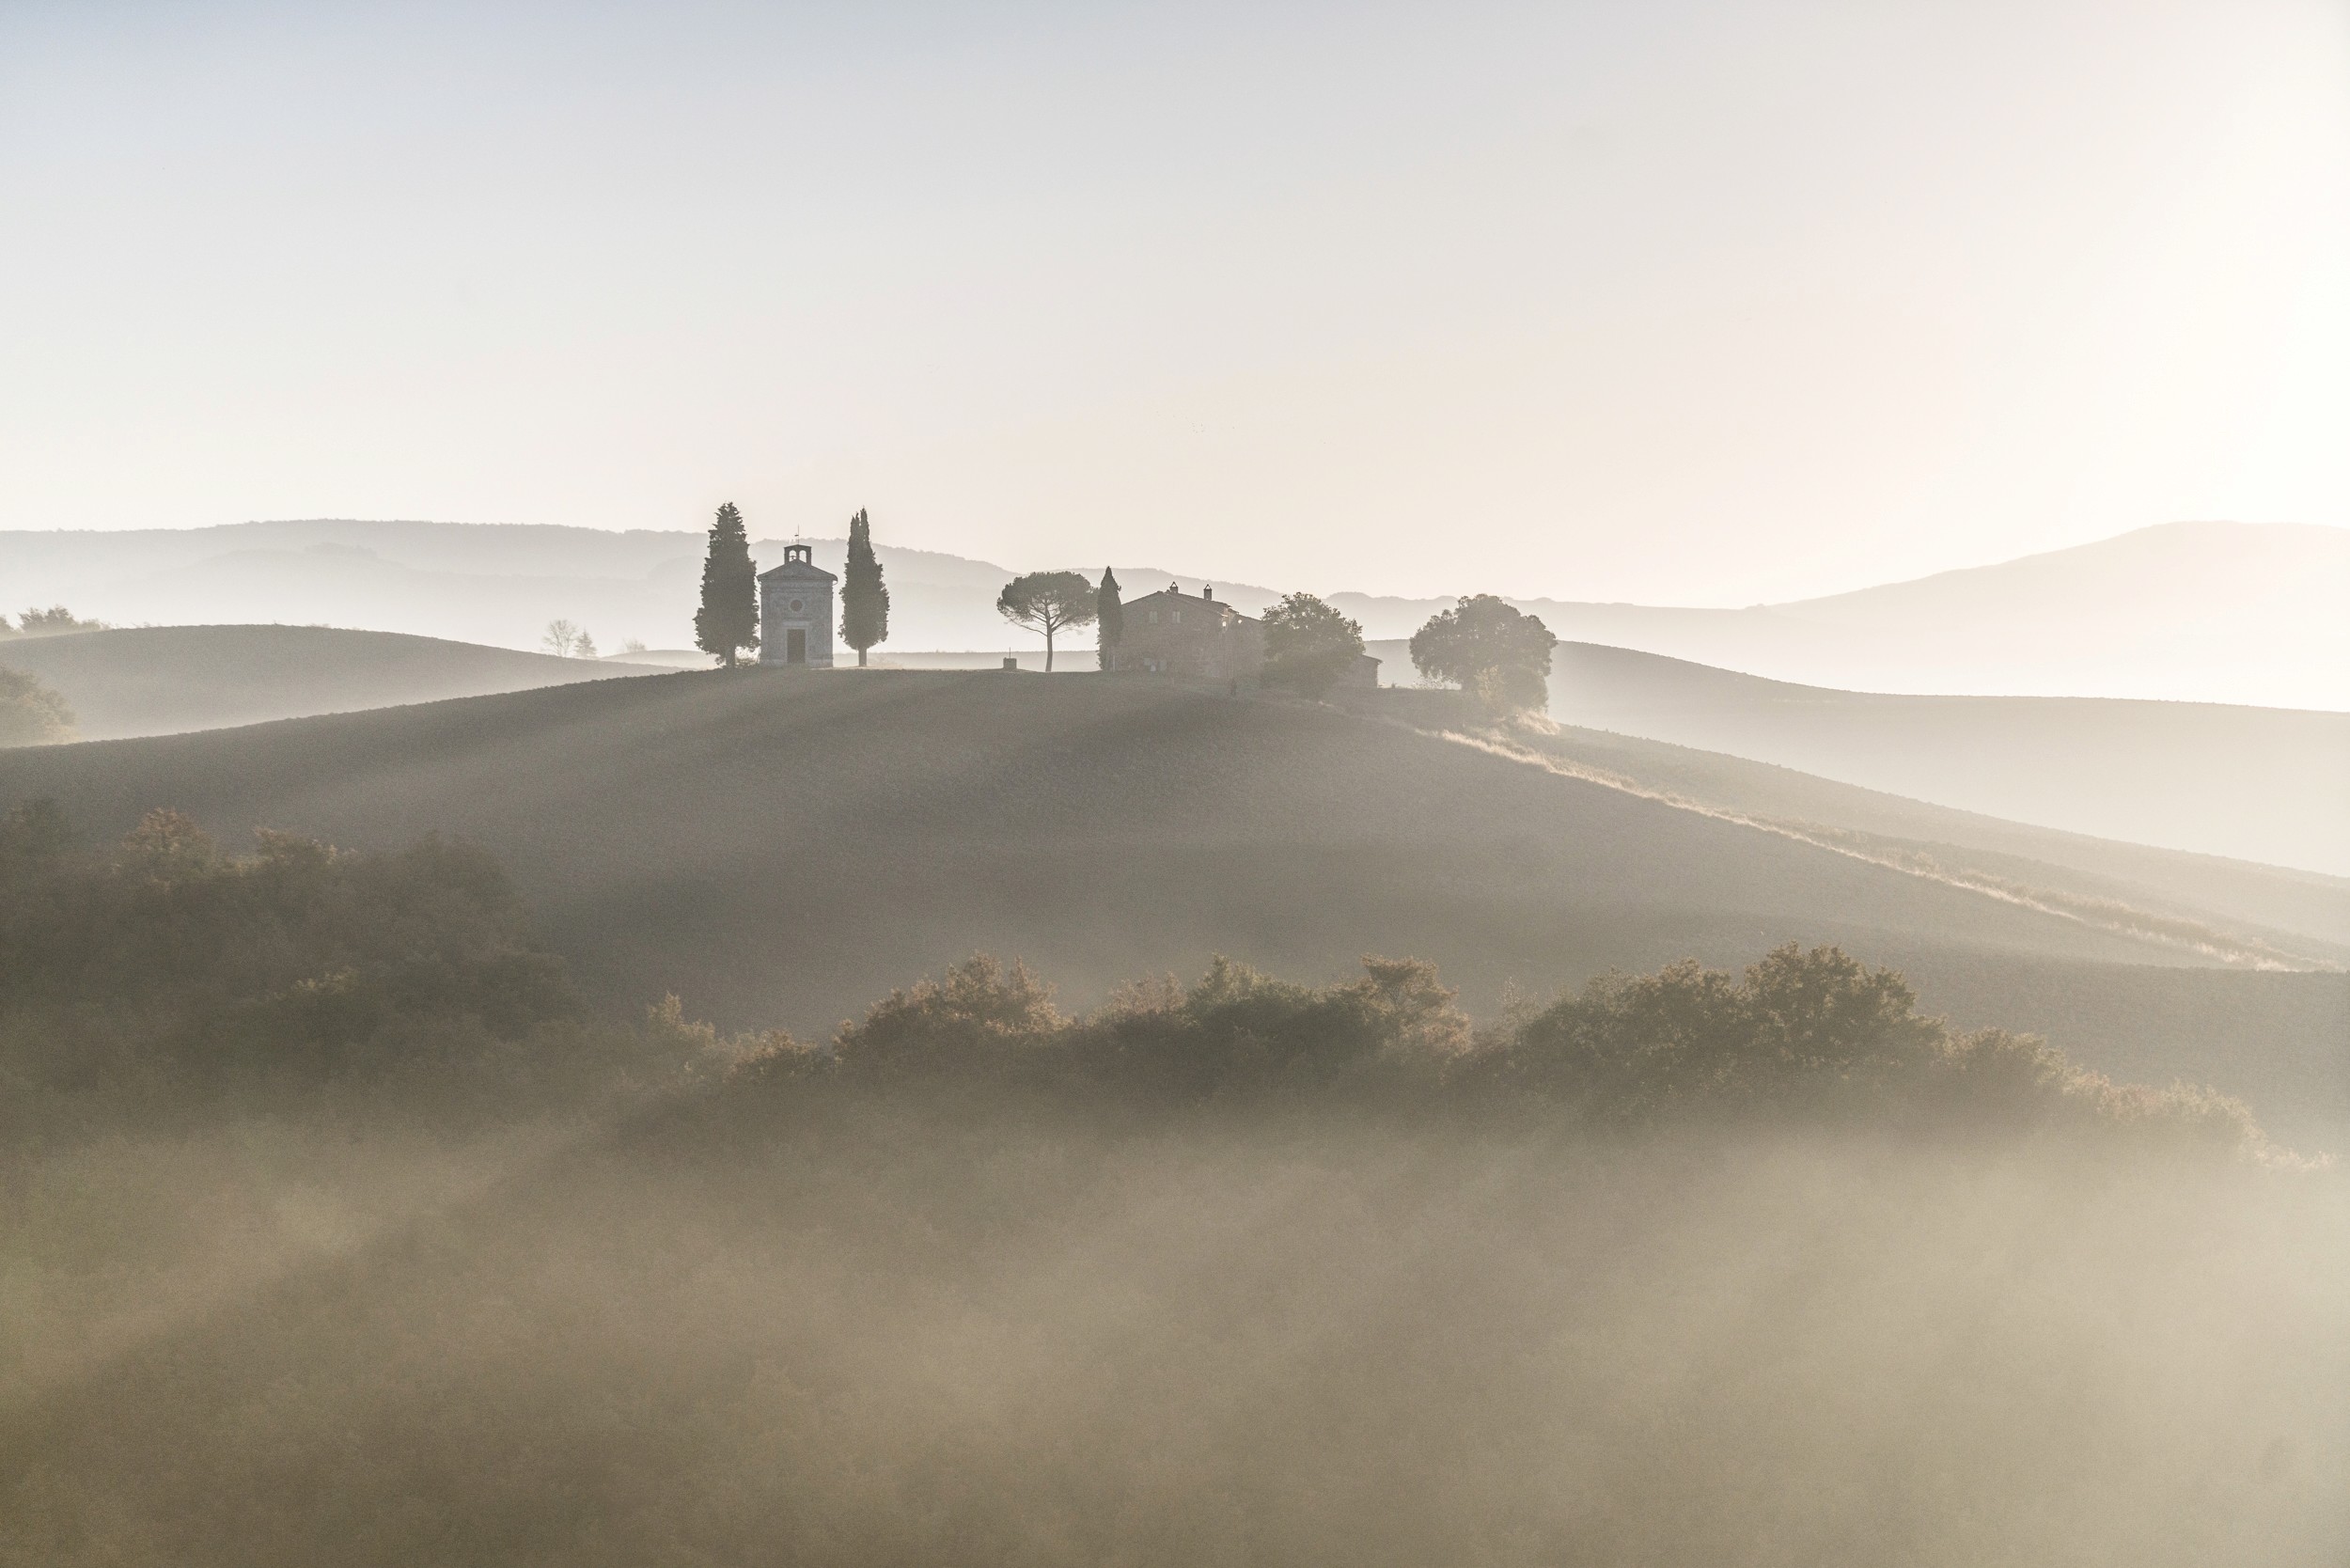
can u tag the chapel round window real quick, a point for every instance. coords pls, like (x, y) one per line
(795, 607)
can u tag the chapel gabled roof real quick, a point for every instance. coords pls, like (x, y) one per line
(797, 565)
(805, 570)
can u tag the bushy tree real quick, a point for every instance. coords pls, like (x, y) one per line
(1309, 645)
(979, 1018)
(1049, 602)
(563, 638)
(1631, 1047)
(30, 712)
(864, 598)
(1109, 610)
(1488, 648)
(727, 624)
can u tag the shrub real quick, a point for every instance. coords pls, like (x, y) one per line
(164, 961)
(981, 1018)
(30, 712)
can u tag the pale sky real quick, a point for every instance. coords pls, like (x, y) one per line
(1675, 301)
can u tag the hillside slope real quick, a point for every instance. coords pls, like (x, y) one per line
(785, 848)
(2243, 902)
(167, 680)
(2263, 784)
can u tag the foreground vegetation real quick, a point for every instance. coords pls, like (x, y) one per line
(342, 1233)
(167, 973)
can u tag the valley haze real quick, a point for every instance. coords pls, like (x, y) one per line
(1277, 785)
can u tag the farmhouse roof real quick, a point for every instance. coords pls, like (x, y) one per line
(1174, 594)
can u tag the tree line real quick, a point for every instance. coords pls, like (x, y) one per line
(162, 971)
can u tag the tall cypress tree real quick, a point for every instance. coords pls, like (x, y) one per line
(863, 599)
(1111, 618)
(727, 622)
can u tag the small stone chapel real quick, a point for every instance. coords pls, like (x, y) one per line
(795, 611)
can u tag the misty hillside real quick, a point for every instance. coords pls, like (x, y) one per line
(2301, 914)
(164, 680)
(783, 849)
(2211, 612)
(2256, 783)
(2201, 612)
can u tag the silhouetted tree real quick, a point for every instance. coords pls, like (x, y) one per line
(1309, 645)
(1049, 602)
(1109, 611)
(728, 622)
(1492, 648)
(563, 638)
(863, 599)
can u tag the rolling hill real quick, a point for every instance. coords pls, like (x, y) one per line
(2254, 783)
(2203, 612)
(165, 680)
(783, 849)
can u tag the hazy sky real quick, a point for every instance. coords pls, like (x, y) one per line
(1687, 301)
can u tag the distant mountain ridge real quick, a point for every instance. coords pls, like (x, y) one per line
(2213, 612)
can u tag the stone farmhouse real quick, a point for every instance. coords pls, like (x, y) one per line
(795, 611)
(1202, 638)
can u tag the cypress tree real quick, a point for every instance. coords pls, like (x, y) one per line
(1110, 614)
(864, 599)
(727, 622)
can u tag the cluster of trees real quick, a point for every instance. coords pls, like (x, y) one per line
(566, 640)
(1803, 1036)
(1483, 645)
(48, 623)
(162, 967)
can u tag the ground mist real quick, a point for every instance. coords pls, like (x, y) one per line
(1688, 1267)
(893, 1327)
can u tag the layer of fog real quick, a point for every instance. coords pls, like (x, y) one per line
(875, 1330)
